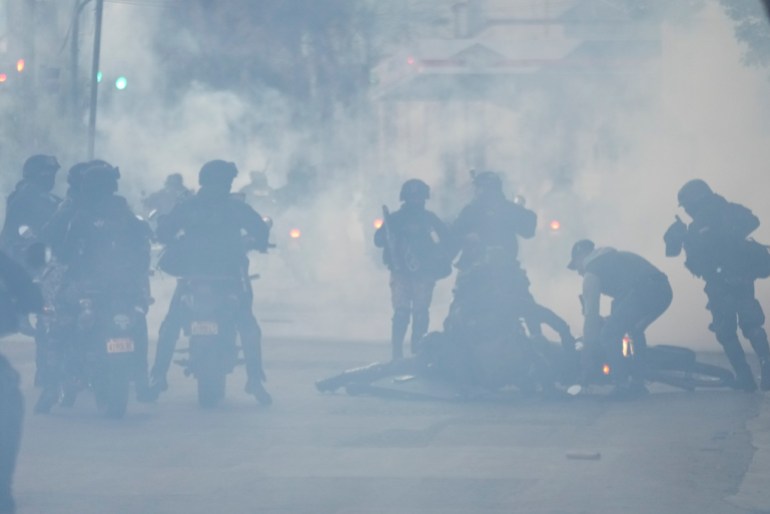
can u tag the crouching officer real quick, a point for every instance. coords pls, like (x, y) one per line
(640, 293)
(718, 250)
(413, 239)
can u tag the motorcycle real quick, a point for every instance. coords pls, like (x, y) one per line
(671, 365)
(209, 307)
(100, 340)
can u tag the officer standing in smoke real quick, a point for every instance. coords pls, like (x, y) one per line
(18, 296)
(414, 242)
(30, 205)
(640, 294)
(486, 234)
(28, 209)
(162, 201)
(718, 250)
(203, 237)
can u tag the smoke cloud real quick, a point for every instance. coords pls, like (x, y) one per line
(601, 152)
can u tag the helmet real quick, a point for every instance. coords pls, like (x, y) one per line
(693, 192)
(414, 188)
(487, 180)
(75, 173)
(579, 251)
(217, 172)
(99, 179)
(38, 165)
(174, 179)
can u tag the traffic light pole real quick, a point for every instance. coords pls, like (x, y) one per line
(75, 56)
(94, 81)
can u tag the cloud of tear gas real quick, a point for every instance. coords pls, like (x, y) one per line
(705, 117)
(602, 153)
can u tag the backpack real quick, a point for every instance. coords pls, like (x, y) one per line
(757, 259)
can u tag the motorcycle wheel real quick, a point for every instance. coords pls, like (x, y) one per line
(665, 356)
(211, 388)
(111, 390)
(699, 375)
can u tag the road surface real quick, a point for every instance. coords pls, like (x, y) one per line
(670, 452)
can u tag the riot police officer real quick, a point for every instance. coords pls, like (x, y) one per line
(207, 232)
(106, 247)
(162, 201)
(414, 243)
(30, 205)
(718, 250)
(491, 281)
(640, 294)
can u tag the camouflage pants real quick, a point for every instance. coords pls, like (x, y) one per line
(411, 297)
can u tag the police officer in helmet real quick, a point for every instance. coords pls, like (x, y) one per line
(413, 241)
(718, 249)
(105, 248)
(30, 205)
(212, 223)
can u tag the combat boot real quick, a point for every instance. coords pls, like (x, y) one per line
(744, 379)
(158, 384)
(764, 383)
(256, 388)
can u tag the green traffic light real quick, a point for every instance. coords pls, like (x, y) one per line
(121, 83)
(98, 76)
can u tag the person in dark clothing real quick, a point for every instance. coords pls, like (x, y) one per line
(163, 201)
(49, 328)
(490, 225)
(640, 294)
(718, 250)
(18, 295)
(105, 249)
(28, 209)
(206, 232)
(55, 229)
(486, 235)
(30, 205)
(414, 242)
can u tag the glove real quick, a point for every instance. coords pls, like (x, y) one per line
(674, 237)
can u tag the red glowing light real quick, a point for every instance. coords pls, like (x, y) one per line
(377, 223)
(411, 61)
(555, 225)
(606, 369)
(3, 77)
(20, 65)
(295, 233)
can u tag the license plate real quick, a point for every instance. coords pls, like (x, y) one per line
(204, 328)
(123, 345)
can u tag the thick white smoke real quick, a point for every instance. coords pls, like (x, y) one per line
(604, 154)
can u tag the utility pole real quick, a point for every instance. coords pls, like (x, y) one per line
(75, 57)
(94, 81)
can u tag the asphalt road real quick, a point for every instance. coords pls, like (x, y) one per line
(670, 452)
